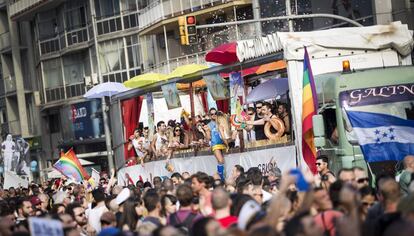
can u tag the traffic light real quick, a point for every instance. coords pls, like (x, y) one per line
(188, 30)
(183, 30)
(191, 30)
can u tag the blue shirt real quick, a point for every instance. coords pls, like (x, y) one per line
(215, 134)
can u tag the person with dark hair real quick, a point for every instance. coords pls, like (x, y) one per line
(302, 224)
(200, 184)
(184, 218)
(168, 205)
(78, 214)
(326, 175)
(24, 209)
(347, 175)
(361, 177)
(283, 114)
(100, 208)
(255, 176)
(153, 205)
(176, 178)
(157, 182)
(259, 129)
(367, 200)
(159, 144)
(136, 143)
(206, 227)
(129, 217)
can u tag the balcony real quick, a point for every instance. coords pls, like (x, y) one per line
(161, 9)
(25, 9)
(65, 39)
(5, 41)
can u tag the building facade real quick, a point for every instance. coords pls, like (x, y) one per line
(49, 60)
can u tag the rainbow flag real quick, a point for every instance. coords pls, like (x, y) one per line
(69, 165)
(309, 108)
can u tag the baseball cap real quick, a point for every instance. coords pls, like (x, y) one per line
(35, 200)
(123, 196)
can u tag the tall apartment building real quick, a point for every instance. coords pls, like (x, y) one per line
(48, 56)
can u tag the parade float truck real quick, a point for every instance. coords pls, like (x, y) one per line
(356, 68)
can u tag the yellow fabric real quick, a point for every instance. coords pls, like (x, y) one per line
(218, 147)
(144, 80)
(181, 71)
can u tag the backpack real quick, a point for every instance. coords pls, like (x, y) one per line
(185, 225)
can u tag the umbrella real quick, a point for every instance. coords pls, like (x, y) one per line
(267, 90)
(105, 89)
(144, 80)
(224, 54)
(181, 71)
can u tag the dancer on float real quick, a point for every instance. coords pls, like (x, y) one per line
(218, 132)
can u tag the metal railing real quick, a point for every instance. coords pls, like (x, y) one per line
(17, 6)
(5, 40)
(161, 9)
(167, 66)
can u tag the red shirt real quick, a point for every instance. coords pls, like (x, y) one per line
(227, 221)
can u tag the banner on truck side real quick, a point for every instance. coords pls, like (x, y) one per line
(283, 157)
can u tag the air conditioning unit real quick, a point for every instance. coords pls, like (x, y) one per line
(36, 96)
(88, 80)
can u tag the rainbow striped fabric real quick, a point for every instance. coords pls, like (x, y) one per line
(309, 108)
(69, 166)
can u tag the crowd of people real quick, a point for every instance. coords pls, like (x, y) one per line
(248, 202)
(173, 136)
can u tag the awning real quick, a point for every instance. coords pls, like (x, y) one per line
(144, 80)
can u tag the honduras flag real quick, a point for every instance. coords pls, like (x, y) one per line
(382, 137)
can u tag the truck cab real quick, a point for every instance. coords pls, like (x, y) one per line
(385, 90)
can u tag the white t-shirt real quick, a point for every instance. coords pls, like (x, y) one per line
(138, 144)
(94, 218)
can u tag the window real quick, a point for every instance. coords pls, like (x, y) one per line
(54, 124)
(133, 48)
(73, 68)
(48, 25)
(106, 8)
(129, 5)
(75, 15)
(112, 55)
(52, 73)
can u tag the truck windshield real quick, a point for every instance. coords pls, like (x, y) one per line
(395, 100)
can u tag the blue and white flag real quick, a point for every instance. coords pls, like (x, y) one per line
(382, 137)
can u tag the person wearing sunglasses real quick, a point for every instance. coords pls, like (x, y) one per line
(361, 177)
(216, 141)
(179, 139)
(326, 175)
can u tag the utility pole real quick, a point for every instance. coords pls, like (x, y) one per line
(288, 14)
(256, 16)
(103, 102)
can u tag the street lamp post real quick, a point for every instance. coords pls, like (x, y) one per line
(104, 106)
